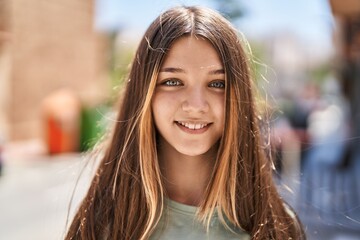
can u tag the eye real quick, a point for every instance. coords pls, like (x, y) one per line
(171, 82)
(217, 84)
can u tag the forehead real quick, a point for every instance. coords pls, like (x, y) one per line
(192, 52)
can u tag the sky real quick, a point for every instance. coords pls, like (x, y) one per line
(310, 20)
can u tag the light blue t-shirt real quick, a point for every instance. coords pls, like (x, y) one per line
(179, 222)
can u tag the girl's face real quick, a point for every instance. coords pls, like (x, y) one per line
(188, 103)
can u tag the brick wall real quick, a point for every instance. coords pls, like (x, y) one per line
(53, 46)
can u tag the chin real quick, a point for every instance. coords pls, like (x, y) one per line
(193, 152)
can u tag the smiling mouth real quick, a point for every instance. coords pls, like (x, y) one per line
(193, 126)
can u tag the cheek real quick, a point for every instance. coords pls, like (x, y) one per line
(219, 107)
(165, 100)
(156, 109)
(163, 106)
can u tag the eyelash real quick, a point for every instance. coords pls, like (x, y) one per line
(212, 84)
(171, 82)
(176, 82)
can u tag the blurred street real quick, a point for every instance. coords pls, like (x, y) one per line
(35, 196)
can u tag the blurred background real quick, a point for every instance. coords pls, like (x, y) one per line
(63, 64)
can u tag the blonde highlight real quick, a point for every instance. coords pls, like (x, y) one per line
(150, 171)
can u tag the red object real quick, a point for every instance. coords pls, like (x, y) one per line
(61, 112)
(55, 136)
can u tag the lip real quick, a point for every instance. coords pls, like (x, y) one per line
(193, 127)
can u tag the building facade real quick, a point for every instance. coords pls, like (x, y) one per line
(46, 46)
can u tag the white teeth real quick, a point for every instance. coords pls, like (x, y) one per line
(193, 126)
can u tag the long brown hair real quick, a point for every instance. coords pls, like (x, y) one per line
(125, 199)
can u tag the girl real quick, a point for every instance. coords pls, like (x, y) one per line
(185, 160)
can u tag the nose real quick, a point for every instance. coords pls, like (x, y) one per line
(195, 101)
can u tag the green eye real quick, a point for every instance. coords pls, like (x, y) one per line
(217, 84)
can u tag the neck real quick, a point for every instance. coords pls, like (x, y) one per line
(186, 177)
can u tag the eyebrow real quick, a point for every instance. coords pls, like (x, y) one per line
(180, 70)
(172, 70)
(217, 71)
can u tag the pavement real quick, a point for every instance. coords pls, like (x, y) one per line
(36, 192)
